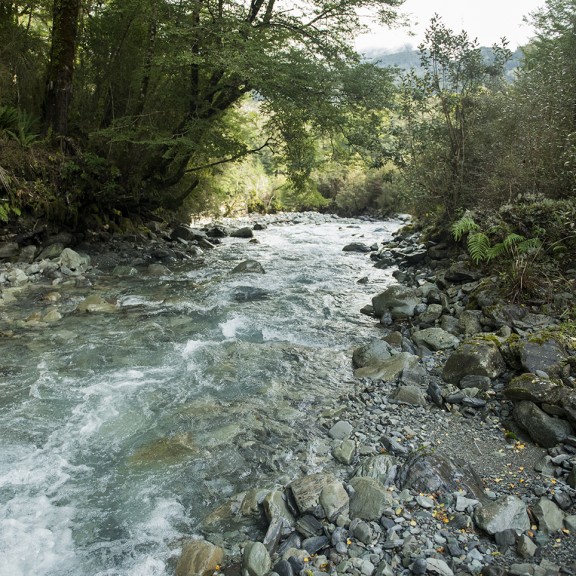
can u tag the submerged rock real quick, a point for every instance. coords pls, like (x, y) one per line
(248, 267)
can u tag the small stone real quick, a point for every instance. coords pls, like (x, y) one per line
(526, 547)
(256, 560)
(550, 517)
(425, 502)
(438, 566)
(341, 430)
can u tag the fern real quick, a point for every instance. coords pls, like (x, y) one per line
(478, 247)
(463, 226)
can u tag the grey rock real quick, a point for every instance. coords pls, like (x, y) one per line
(159, 270)
(283, 568)
(73, 261)
(474, 381)
(245, 232)
(414, 375)
(307, 491)
(550, 517)
(432, 313)
(479, 357)
(248, 267)
(526, 547)
(345, 452)
(372, 353)
(275, 506)
(547, 356)
(341, 430)
(469, 322)
(309, 526)
(435, 339)
(361, 531)
(256, 560)
(8, 250)
(381, 468)
(315, 543)
(412, 395)
(507, 513)
(543, 429)
(438, 566)
(273, 534)
(187, 233)
(462, 272)
(334, 500)
(429, 473)
(398, 300)
(369, 500)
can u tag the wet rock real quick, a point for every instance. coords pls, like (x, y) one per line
(435, 339)
(250, 294)
(275, 507)
(51, 251)
(550, 517)
(309, 526)
(95, 304)
(479, 357)
(507, 513)
(159, 270)
(273, 534)
(217, 231)
(8, 250)
(248, 267)
(73, 261)
(372, 353)
(543, 429)
(283, 568)
(398, 300)
(245, 232)
(432, 313)
(369, 500)
(388, 370)
(357, 247)
(187, 233)
(199, 558)
(256, 560)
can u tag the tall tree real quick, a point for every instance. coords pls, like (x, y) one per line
(61, 65)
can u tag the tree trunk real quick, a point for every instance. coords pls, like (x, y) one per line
(61, 65)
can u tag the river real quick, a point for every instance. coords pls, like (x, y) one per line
(121, 431)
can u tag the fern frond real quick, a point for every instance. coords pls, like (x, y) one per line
(513, 240)
(530, 245)
(478, 247)
(463, 226)
(495, 251)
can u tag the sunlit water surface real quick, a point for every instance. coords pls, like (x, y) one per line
(121, 431)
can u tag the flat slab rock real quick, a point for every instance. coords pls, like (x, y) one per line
(508, 513)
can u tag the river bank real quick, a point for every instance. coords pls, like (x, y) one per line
(373, 481)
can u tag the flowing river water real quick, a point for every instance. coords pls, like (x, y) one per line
(121, 431)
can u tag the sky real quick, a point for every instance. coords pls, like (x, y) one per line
(487, 21)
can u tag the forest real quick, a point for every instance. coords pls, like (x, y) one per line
(115, 111)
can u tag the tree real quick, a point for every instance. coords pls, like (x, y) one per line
(61, 65)
(442, 109)
(157, 81)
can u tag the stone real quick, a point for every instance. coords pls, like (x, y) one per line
(547, 356)
(430, 473)
(244, 232)
(469, 322)
(309, 526)
(248, 267)
(256, 560)
(507, 513)
(357, 247)
(217, 231)
(95, 304)
(275, 507)
(345, 452)
(438, 566)
(474, 381)
(51, 251)
(414, 375)
(461, 272)
(341, 430)
(479, 357)
(199, 558)
(307, 491)
(314, 544)
(372, 353)
(334, 500)
(8, 250)
(412, 395)
(526, 547)
(545, 430)
(369, 500)
(361, 531)
(550, 517)
(159, 270)
(381, 468)
(73, 261)
(398, 300)
(389, 370)
(187, 233)
(273, 534)
(435, 339)
(432, 313)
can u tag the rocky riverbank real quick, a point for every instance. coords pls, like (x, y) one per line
(452, 451)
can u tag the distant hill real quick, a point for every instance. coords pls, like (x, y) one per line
(408, 59)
